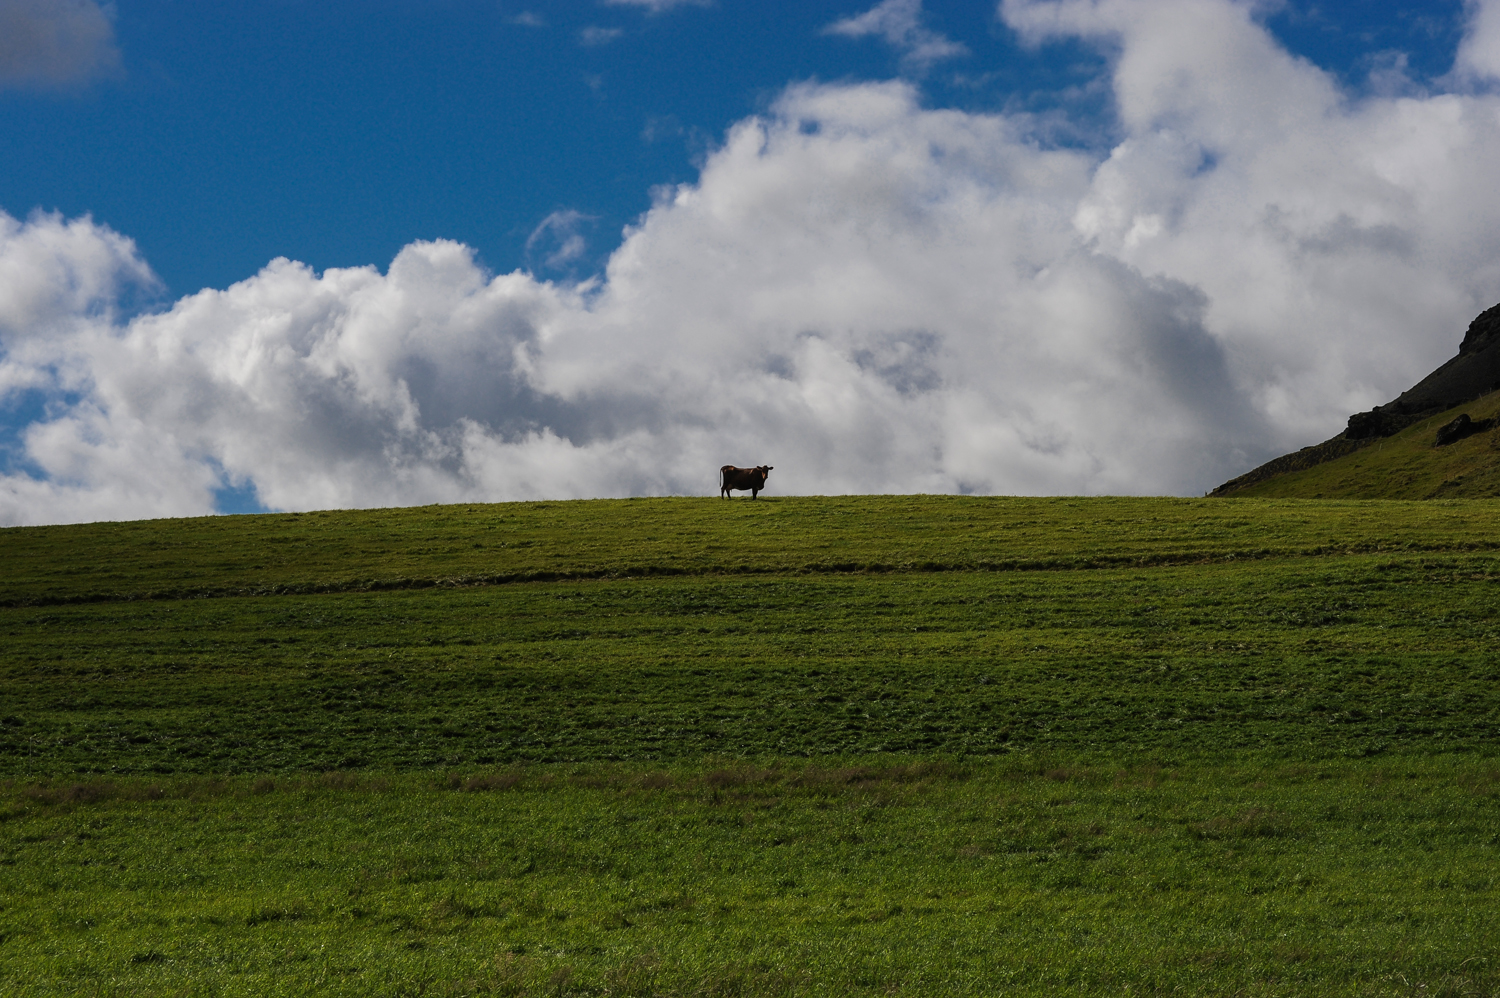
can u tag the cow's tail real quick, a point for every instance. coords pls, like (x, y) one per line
(723, 477)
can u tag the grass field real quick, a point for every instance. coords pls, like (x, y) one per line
(1340, 878)
(915, 745)
(1306, 657)
(377, 550)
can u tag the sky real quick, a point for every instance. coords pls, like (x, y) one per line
(285, 255)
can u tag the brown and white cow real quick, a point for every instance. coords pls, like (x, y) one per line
(740, 479)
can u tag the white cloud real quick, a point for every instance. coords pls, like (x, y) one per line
(1341, 243)
(1479, 54)
(595, 35)
(52, 43)
(56, 273)
(867, 294)
(899, 22)
(558, 232)
(658, 6)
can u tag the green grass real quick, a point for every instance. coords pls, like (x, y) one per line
(355, 550)
(914, 745)
(1407, 465)
(1310, 657)
(1038, 878)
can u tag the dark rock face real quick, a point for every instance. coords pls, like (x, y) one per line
(1455, 429)
(1372, 424)
(1474, 372)
(1459, 427)
(1483, 331)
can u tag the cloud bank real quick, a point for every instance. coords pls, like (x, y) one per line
(871, 295)
(1479, 54)
(55, 43)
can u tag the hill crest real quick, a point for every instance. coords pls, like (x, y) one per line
(1434, 429)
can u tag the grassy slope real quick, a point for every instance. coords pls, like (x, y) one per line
(1240, 746)
(373, 549)
(1305, 658)
(1342, 879)
(1212, 623)
(1404, 466)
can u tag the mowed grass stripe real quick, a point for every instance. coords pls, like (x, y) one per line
(1311, 657)
(362, 550)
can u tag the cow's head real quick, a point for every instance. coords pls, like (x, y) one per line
(764, 470)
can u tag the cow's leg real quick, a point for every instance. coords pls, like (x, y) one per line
(754, 493)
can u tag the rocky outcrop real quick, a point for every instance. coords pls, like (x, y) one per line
(1483, 332)
(1377, 422)
(1471, 374)
(1474, 372)
(1459, 427)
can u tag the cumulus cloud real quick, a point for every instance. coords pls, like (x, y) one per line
(868, 294)
(54, 43)
(1479, 54)
(1340, 242)
(899, 22)
(658, 6)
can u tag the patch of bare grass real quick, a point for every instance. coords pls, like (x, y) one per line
(503, 779)
(1254, 823)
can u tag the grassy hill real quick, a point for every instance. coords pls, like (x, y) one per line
(1408, 465)
(653, 629)
(374, 550)
(811, 746)
(1391, 451)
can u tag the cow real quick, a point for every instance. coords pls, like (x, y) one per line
(741, 479)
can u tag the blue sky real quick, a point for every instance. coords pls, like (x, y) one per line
(336, 133)
(549, 249)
